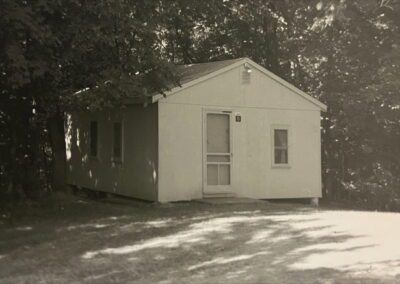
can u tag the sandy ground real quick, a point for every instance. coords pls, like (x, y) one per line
(84, 241)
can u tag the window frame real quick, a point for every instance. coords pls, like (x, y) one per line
(289, 158)
(118, 160)
(95, 157)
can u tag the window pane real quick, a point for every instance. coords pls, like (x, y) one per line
(212, 174)
(217, 133)
(281, 156)
(117, 143)
(224, 175)
(93, 138)
(281, 146)
(281, 137)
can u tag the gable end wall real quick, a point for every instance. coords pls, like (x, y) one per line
(262, 104)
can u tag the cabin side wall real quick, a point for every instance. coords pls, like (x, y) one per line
(136, 175)
(262, 104)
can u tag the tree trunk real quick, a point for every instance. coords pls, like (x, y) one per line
(57, 139)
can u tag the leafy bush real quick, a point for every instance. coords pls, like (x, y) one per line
(380, 191)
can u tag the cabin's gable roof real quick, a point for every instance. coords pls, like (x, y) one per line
(193, 74)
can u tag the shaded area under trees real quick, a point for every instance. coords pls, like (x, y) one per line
(345, 53)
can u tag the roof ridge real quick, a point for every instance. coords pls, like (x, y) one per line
(211, 62)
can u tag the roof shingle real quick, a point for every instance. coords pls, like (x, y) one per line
(191, 72)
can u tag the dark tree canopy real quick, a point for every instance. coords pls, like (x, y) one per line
(93, 54)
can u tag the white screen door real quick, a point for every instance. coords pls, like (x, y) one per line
(218, 152)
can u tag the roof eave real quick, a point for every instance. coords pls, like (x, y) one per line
(286, 84)
(198, 80)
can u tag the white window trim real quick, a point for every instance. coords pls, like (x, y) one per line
(115, 160)
(97, 157)
(281, 127)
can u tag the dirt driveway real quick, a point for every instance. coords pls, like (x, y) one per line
(107, 242)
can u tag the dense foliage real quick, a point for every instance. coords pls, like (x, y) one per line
(346, 53)
(60, 54)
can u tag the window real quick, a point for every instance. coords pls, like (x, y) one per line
(117, 141)
(281, 147)
(93, 138)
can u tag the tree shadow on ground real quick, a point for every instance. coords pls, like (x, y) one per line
(182, 243)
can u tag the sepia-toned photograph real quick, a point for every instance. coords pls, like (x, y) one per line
(200, 141)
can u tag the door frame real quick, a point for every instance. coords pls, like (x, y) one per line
(217, 189)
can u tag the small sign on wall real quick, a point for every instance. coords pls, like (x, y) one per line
(238, 117)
